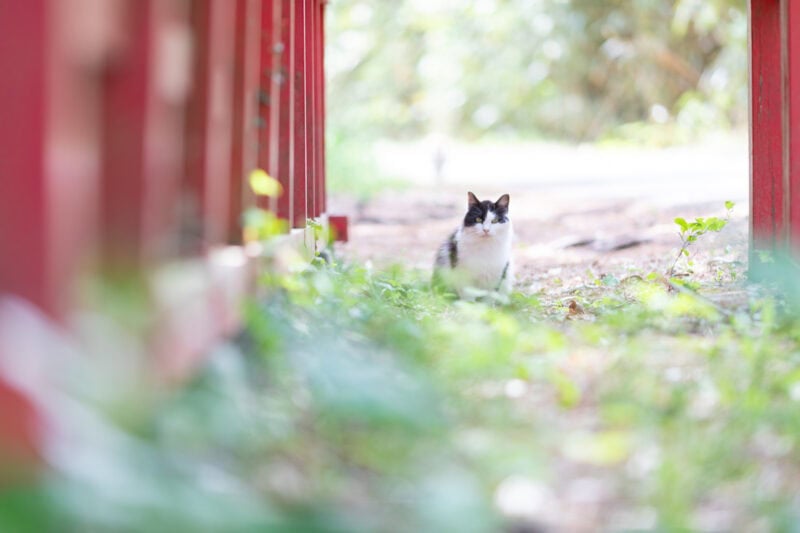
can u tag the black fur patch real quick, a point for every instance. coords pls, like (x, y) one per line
(452, 248)
(481, 211)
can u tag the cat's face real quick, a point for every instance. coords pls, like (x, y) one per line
(486, 219)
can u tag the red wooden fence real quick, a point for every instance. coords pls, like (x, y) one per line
(128, 132)
(775, 124)
(128, 129)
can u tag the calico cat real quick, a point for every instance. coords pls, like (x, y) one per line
(478, 254)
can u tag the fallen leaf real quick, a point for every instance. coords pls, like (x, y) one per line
(574, 309)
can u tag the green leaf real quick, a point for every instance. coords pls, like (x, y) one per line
(716, 224)
(568, 393)
(729, 205)
(600, 449)
(682, 223)
(264, 185)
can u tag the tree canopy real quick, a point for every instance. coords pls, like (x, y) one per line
(573, 70)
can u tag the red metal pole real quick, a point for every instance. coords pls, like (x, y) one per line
(767, 212)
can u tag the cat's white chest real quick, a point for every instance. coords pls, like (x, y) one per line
(485, 260)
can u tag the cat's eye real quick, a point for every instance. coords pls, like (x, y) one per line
(479, 220)
(495, 221)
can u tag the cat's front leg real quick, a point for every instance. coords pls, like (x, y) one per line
(507, 281)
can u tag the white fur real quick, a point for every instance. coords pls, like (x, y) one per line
(484, 250)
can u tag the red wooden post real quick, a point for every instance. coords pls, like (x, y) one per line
(339, 227)
(244, 156)
(51, 54)
(313, 111)
(25, 267)
(299, 190)
(321, 188)
(766, 174)
(51, 137)
(775, 124)
(145, 89)
(292, 143)
(208, 124)
(20, 435)
(23, 180)
(269, 94)
(285, 80)
(792, 118)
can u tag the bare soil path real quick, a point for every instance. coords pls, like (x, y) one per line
(558, 240)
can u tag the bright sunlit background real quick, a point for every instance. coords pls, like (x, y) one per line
(468, 91)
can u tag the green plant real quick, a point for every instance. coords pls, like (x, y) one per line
(690, 232)
(360, 400)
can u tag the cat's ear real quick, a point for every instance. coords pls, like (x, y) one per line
(502, 202)
(472, 199)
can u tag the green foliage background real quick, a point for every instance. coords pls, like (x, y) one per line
(574, 70)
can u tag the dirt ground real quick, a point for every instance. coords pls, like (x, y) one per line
(559, 239)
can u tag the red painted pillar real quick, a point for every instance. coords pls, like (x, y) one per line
(24, 232)
(145, 90)
(299, 190)
(792, 118)
(291, 146)
(26, 261)
(319, 128)
(775, 124)
(244, 155)
(266, 98)
(766, 174)
(285, 79)
(20, 436)
(313, 106)
(316, 135)
(209, 124)
(52, 55)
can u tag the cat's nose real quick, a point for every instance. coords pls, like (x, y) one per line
(486, 231)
